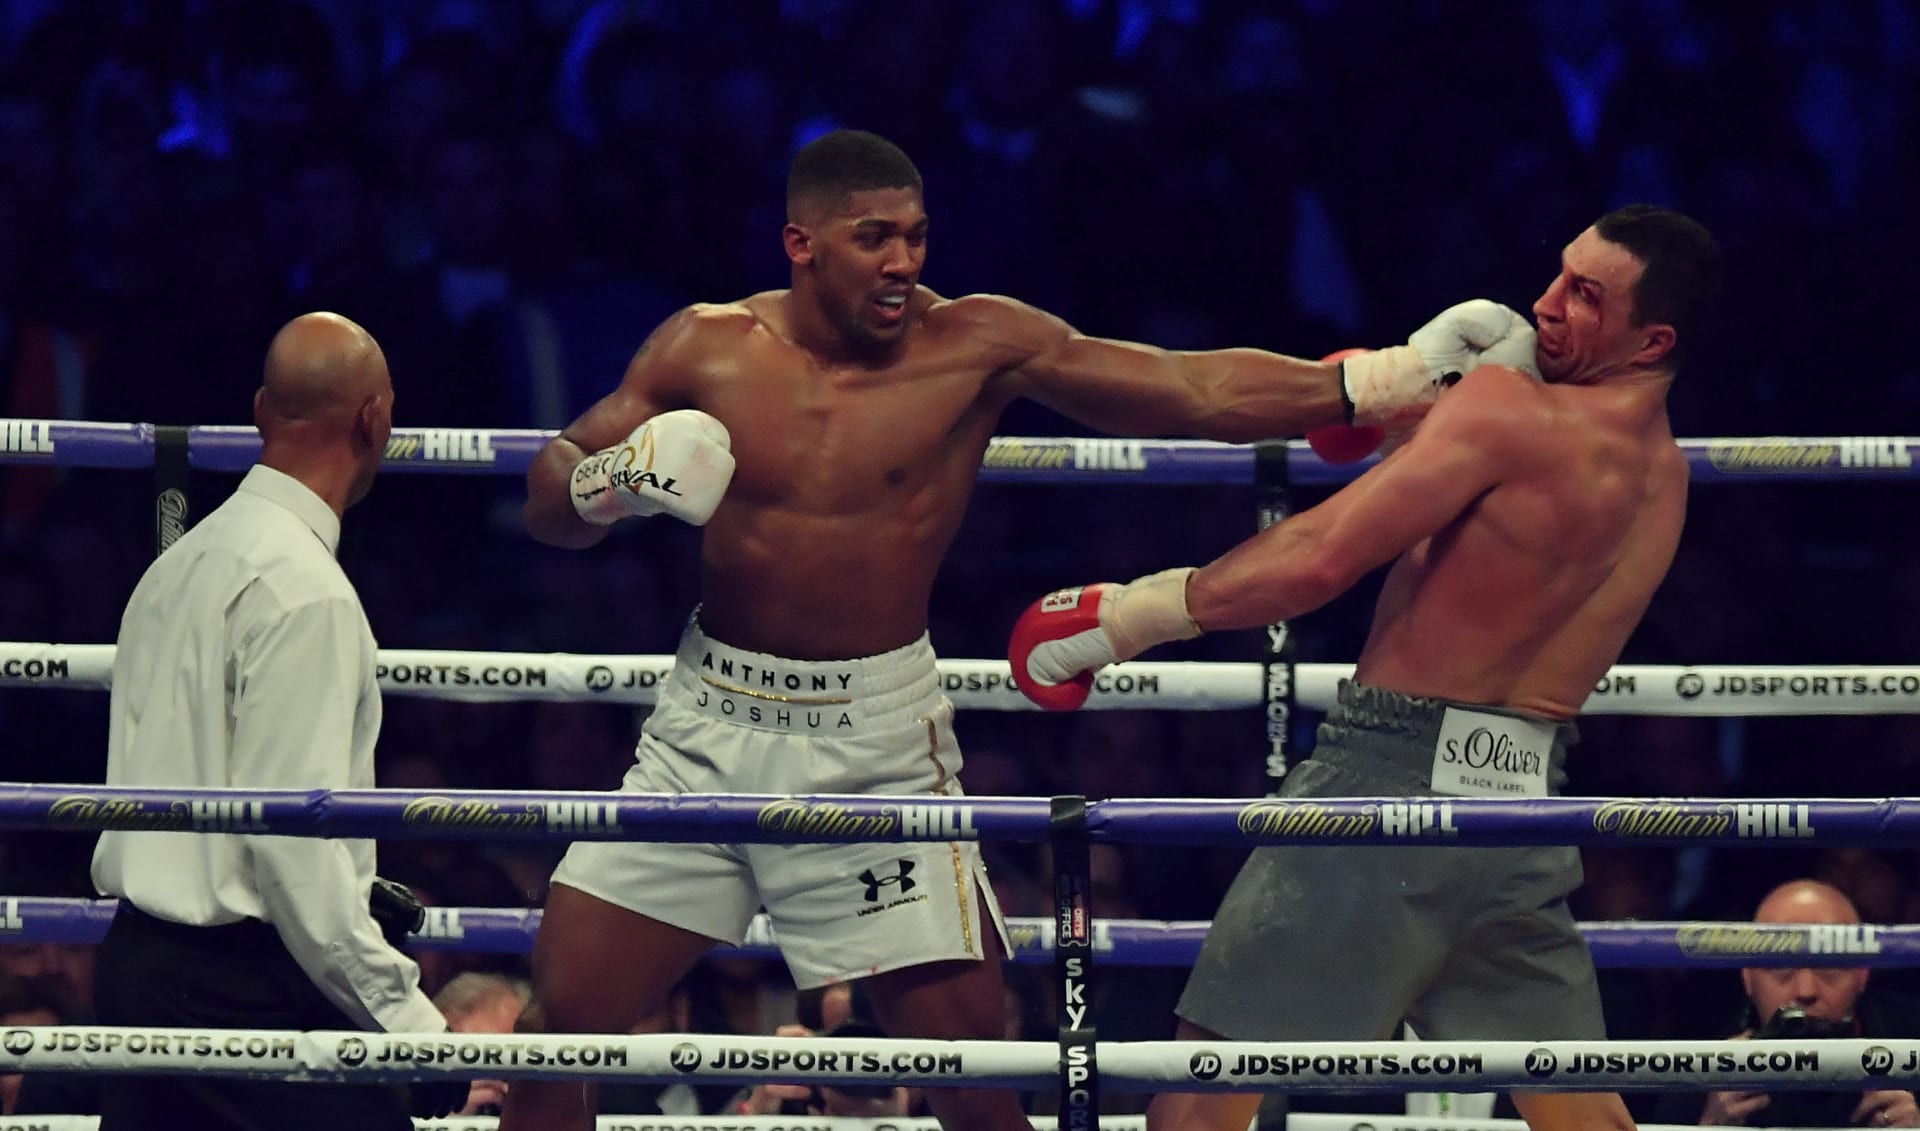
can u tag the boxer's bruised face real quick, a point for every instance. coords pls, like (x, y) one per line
(1585, 318)
(864, 253)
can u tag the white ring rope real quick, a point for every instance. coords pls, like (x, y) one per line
(1141, 1066)
(1345, 1121)
(649, 1124)
(1629, 689)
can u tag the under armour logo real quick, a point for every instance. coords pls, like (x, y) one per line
(875, 883)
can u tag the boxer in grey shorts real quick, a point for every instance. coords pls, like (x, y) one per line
(1343, 942)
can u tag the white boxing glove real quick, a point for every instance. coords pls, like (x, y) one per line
(677, 463)
(1389, 384)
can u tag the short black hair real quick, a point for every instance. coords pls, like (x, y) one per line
(1680, 267)
(838, 164)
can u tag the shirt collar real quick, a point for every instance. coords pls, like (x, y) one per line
(283, 490)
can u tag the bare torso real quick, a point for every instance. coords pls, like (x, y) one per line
(852, 474)
(849, 484)
(1527, 598)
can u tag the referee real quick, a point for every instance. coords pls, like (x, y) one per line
(245, 660)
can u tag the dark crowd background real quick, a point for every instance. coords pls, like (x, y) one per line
(509, 195)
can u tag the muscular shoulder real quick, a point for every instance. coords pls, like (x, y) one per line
(1006, 327)
(1492, 403)
(691, 339)
(711, 323)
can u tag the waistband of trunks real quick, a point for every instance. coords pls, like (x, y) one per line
(861, 695)
(1365, 713)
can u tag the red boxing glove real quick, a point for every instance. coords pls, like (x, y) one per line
(1345, 443)
(1068, 635)
(1058, 615)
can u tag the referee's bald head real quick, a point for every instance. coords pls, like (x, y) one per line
(321, 366)
(325, 406)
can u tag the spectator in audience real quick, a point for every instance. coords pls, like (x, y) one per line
(25, 1004)
(483, 1003)
(1807, 1002)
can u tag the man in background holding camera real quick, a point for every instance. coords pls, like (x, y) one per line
(1807, 1003)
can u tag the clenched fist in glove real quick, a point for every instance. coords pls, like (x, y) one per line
(677, 463)
(1385, 386)
(1066, 636)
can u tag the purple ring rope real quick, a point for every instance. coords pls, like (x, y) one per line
(1010, 459)
(1126, 942)
(822, 819)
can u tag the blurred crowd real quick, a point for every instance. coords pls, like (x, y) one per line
(510, 194)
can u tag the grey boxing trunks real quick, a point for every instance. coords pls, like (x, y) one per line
(1345, 942)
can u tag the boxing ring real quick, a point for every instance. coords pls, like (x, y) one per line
(1071, 938)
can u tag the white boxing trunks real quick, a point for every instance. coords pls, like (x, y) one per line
(732, 721)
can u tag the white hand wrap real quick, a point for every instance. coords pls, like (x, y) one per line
(1147, 611)
(677, 463)
(1386, 383)
(1131, 619)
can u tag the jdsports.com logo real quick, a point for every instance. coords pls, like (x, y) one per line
(685, 1057)
(352, 1052)
(1877, 1060)
(1204, 1065)
(1690, 685)
(599, 678)
(1541, 1063)
(19, 1042)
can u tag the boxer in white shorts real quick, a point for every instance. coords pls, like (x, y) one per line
(858, 405)
(732, 721)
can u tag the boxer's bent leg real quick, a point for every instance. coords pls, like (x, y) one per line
(1213, 1111)
(1315, 943)
(1327, 943)
(950, 1001)
(597, 968)
(1522, 973)
(624, 923)
(919, 923)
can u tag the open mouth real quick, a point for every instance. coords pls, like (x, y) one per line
(889, 309)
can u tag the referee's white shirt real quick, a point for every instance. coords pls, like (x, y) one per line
(246, 660)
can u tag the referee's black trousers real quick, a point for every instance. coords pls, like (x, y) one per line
(151, 972)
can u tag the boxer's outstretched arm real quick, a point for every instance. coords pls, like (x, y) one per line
(655, 382)
(1464, 449)
(1128, 388)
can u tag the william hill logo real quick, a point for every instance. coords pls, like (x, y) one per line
(79, 811)
(1708, 939)
(1758, 820)
(1660, 819)
(1305, 818)
(440, 445)
(1760, 455)
(1027, 938)
(446, 814)
(1016, 454)
(903, 822)
(822, 818)
(26, 437)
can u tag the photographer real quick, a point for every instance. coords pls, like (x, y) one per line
(1801, 1003)
(834, 1011)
